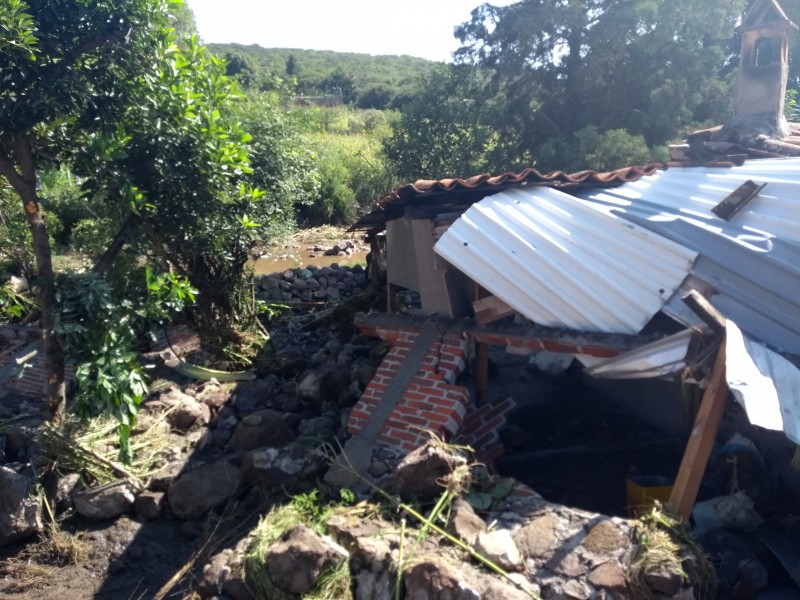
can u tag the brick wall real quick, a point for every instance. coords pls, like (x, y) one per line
(481, 429)
(181, 337)
(430, 402)
(29, 381)
(33, 377)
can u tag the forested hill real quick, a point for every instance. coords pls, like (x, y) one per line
(365, 80)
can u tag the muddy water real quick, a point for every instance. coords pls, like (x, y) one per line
(266, 265)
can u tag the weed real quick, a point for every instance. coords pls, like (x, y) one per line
(662, 542)
(304, 509)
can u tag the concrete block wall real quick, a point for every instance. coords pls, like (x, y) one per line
(430, 402)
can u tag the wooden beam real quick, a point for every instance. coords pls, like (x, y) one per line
(701, 440)
(502, 333)
(705, 310)
(490, 309)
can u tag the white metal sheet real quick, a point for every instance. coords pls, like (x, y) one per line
(663, 357)
(752, 262)
(764, 383)
(562, 262)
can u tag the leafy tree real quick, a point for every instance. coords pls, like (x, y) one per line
(341, 84)
(282, 163)
(291, 66)
(447, 130)
(183, 20)
(173, 170)
(650, 68)
(239, 66)
(378, 97)
(63, 70)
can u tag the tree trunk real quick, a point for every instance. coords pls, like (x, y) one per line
(24, 184)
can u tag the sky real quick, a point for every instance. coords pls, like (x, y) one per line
(421, 28)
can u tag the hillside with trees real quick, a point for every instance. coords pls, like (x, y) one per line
(363, 80)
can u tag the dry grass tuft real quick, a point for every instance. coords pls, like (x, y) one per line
(91, 449)
(21, 575)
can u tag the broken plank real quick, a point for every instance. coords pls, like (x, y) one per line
(704, 309)
(490, 309)
(701, 440)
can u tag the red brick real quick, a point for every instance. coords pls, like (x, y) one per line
(417, 405)
(599, 351)
(560, 348)
(377, 387)
(436, 417)
(399, 434)
(359, 414)
(370, 330)
(489, 427)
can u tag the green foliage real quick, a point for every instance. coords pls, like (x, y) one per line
(100, 334)
(352, 172)
(447, 129)
(650, 68)
(13, 305)
(602, 151)
(15, 247)
(99, 339)
(62, 197)
(91, 237)
(178, 159)
(282, 162)
(340, 84)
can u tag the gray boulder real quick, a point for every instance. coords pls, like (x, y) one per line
(436, 579)
(201, 489)
(298, 559)
(20, 514)
(187, 413)
(498, 546)
(272, 467)
(106, 501)
(420, 473)
(464, 523)
(261, 429)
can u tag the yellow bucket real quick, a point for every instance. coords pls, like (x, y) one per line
(643, 494)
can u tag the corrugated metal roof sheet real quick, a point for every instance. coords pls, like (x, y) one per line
(426, 192)
(752, 261)
(561, 262)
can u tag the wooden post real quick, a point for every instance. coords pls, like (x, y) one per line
(482, 372)
(481, 359)
(701, 440)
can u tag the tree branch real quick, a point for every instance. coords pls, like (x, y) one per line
(55, 71)
(22, 148)
(10, 173)
(131, 221)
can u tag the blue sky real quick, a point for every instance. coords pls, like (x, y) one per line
(416, 27)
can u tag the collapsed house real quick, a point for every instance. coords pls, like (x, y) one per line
(687, 271)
